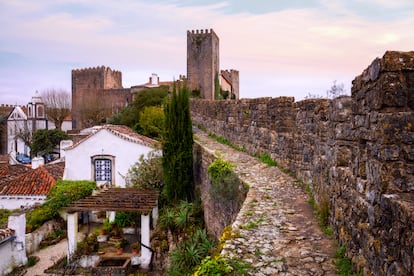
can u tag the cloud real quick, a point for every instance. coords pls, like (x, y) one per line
(327, 40)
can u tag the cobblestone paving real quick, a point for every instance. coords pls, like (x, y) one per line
(276, 230)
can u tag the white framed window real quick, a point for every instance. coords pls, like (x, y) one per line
(103, 170)
(103, 167)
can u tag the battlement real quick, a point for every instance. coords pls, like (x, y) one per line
(97, 69)
(229, 71)
(200, 32)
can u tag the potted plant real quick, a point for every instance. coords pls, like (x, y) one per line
(135, 248)
(118, 247)
(103, 234)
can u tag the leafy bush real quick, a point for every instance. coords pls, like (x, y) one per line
(151, 120)
(146, 173)
(216, 266)
(62, 194)
(189, 253)
(226, 185)
(44, 140)
(182, 219)
(4, 216)
(125, 219)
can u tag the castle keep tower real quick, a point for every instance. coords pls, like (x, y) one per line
(203, 62)
(97, 93)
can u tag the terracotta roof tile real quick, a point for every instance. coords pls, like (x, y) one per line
(6, 233)
(34, 182)
(13, 170)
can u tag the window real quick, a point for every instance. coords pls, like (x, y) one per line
(40, 111)
(103, 170)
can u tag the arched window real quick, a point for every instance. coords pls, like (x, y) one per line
(40, 111)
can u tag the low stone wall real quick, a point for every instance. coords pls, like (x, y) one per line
(217, 215)
(357, 153)
(34, 238)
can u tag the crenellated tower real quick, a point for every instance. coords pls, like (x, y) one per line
(203, 62)
(96, 92)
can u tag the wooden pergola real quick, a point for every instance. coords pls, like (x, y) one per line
(118, 199)
(136, 200)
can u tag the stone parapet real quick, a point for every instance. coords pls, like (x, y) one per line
(356, 153)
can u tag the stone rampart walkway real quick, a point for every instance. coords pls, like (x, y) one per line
(276, 230)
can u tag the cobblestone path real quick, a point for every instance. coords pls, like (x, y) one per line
(278, 231)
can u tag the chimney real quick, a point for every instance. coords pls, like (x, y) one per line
(63, 145)
(37, 162)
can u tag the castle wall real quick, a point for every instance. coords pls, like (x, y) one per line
(202, 61)
(96, 90)
(355, 152)
(233, 77)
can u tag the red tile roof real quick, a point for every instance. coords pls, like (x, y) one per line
(6, 233)
(34, 182)
(12, 170)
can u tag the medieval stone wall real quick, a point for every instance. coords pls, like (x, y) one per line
(217, 214)
(357, 154)
(97, 89)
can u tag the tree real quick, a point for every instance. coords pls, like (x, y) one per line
(151, 121)
(130, 115)
(177, 148)
(58, 105)
(336, 90)
(146, 173)
(44, 140)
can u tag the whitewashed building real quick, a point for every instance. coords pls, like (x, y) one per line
(25, 120)
(106, 155)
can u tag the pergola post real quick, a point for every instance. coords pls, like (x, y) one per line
(72, 233)
(111, 216)
(145, 240)
(155, 215)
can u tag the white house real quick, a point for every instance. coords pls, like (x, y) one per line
(25, 120)
(106, 155)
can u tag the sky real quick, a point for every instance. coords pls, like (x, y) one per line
(281, 48)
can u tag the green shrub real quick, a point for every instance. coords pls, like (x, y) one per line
(219, 168)
(343, 264)
(31, 261)
(226, 185)
(217, 266)
(189, 253)
(62, 194)
(125, 219)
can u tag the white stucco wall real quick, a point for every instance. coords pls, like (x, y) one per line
(12, 202)
(6, 260)
(79, 164)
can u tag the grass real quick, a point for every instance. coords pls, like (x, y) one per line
(265, 158)
(226, 142)
(31, 261)
(343, 263)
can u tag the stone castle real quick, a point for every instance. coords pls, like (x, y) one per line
(97, 93)
(203, 66)
(97, 90)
